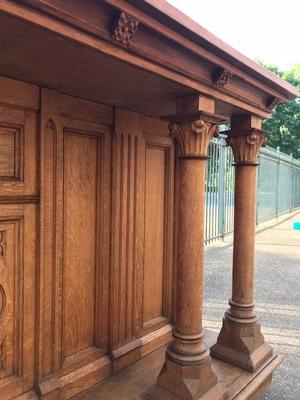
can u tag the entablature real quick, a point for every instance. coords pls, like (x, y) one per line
(154, 37)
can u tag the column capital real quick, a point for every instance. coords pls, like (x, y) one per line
(246, 138)
(246, 145)
(193, 125)
(193, 137)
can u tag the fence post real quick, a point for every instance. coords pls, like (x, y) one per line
(277, 183)
(291, 182)
(258, 191)
(222, 188)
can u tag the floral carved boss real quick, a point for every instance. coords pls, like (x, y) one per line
(221, 77)
(125, 28)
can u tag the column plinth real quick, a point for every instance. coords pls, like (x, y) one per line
(240, 341)
(187, 371)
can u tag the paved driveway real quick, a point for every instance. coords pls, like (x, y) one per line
(277, 297)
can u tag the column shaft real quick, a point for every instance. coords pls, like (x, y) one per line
(240, 341)
(188, 346)
(244, 233)
(187, 371)
(190, 247)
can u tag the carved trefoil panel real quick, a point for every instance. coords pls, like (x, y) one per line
(17, 297)
(6, 322)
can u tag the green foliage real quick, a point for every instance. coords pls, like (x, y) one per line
(284, 123)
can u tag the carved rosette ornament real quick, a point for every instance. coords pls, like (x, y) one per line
(125, 28)
(193, 137)
(272, 102)
(246, 147)
(221, 77)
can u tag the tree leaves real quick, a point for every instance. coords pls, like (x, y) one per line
(284, 123)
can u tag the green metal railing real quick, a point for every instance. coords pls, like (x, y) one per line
(278, 188)
(219, 191)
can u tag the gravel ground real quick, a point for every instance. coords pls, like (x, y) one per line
(277, 297)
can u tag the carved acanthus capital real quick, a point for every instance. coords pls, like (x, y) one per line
(193, 137)
(246, 146)
(125, 28)
(221, 77)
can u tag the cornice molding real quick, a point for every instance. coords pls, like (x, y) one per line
(84, 30)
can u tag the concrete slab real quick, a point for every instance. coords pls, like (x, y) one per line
(277, 296)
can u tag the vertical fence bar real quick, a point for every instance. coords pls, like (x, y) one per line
(278, 187)
(277, 182)
(222, 188)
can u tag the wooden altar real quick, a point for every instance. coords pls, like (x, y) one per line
(106, 113)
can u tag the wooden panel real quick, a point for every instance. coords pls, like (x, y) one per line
(75, 216)
(154, 232)
(125, 254)
(159, 231)
(80, 183)
(21, 94)
(17, 299)
(142, 233)
(10, 152)
(18, 159)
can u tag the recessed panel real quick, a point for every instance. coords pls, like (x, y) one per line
(10, 152)
(154, 233)
(80, 210)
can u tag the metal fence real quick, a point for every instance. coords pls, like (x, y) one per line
(278, 188)
(219, 191)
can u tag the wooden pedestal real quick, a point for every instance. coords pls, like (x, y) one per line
(138, 381)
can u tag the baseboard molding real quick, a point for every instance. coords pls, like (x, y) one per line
(138, 348)
(75, 382)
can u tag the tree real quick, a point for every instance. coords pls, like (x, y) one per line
(284, 123)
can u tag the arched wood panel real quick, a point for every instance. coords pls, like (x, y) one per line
(75, 214)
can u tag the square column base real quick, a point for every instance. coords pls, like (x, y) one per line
(241, 345)
(193, 382)
(248, 362)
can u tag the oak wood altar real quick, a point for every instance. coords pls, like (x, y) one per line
(102, 210)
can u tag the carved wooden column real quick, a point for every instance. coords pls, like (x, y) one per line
(187, 370)
(240, 341)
